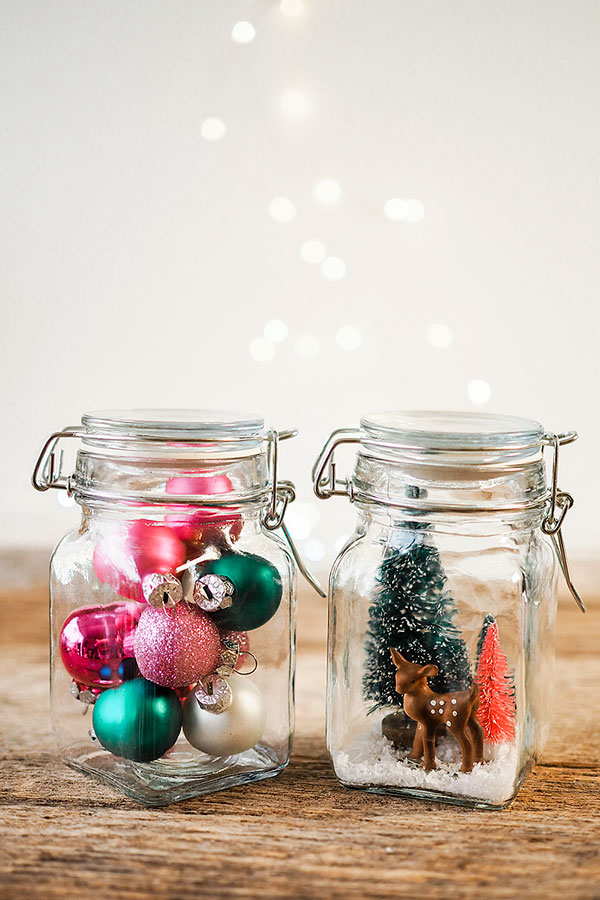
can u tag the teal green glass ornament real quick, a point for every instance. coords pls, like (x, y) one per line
(257, 590)
(138, 720)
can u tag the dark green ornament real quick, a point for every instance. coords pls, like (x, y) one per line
(138, 720)
(257, 590)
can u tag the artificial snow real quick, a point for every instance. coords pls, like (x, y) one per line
(372, 760)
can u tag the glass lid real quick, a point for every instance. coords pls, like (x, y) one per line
(171, 424)
(434, 430)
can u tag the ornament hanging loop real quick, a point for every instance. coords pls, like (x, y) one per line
(559, 504)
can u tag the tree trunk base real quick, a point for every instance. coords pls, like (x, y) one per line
(399, 729)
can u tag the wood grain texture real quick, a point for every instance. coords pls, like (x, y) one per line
(300, 835)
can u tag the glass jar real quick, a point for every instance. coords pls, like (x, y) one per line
(442, 604)
(172, 605)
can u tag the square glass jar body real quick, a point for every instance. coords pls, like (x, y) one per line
(131, 662)
(442, 609)
(436, 594)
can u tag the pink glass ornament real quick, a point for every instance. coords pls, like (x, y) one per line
(187, 520)
(95, 639)
(176, 647)
(241, 639)
(140, 548)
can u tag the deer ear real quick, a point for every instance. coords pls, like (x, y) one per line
(429, 671)
(397, 657)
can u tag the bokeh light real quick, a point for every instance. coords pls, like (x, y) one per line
(282, 210)
(213, 129)
(395, 209)
(275, 331)
(439, 335)
(479, 391)
(333, 268)
(327, 191)
(243, 33)
(348, 337)
(262, 350)
(313, 251)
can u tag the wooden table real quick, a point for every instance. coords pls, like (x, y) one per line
(300, 835)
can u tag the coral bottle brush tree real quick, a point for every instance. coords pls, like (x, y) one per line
(413, 611)
(496, 690)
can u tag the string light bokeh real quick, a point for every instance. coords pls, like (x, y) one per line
(312, 210)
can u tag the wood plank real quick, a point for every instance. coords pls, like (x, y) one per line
(300, 835)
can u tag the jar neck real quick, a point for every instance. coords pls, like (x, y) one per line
(416, 486)
(166, 483)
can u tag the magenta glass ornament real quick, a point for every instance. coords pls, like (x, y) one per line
(188, 519)
(176, 647)
(139, 548)
(95, 640)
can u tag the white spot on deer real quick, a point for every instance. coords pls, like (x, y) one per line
(454, 700)
(432, 702)
(449, 723)
(454, 713)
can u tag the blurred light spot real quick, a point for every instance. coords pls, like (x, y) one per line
(313, 251)
(262, 350)
(282, 210)
(291, 8)
(213, 129)
(396, 209)
(348, 337)
(415, 211)
(314, 550)
(300, 518)
(275, 331)
(327, 191)
(307, 346)
(339, 542)
(479, 391)
(243, 33)
(63, 499)
(333, 268)
(295, 104)
(439, 335)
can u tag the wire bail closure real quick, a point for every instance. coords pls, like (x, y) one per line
(47, 474)
(326, 484)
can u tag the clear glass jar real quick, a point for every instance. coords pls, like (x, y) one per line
(442, 605)
(172, 605)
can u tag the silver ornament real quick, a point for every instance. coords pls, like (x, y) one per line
(213, 693)
(234, 730)
(209, 592)
(162, 591)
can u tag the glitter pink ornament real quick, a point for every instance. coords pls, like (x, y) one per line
(139, 548)
(177, 647)
(96, 639)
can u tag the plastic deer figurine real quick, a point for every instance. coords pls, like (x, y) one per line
(435, 712)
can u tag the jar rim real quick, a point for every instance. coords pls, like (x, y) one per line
(455, 431)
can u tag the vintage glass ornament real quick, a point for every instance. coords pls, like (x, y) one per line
(155, 491)
(176, 647)
(138, 720)
(235, 729)
(442, 604)
(135, 550)
(257, 590)
(95, 640)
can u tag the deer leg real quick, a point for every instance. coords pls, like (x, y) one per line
(475, 732)
(429, 751)
(466, 750)
(417, 747)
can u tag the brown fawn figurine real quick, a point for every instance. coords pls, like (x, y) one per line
(433, 712)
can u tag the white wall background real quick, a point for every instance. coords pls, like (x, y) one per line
(139, 261)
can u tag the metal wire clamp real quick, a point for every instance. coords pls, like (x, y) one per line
(47, 473)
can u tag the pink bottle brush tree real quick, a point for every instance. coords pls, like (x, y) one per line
(496, 689)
